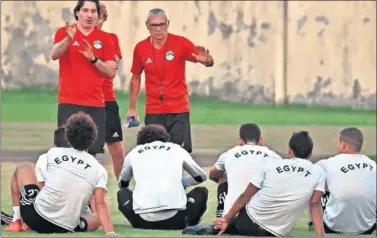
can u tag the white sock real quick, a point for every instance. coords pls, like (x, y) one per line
(16, 213)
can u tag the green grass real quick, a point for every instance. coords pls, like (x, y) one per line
(122, 227)
(31, 105)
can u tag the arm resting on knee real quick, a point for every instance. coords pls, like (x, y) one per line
(215, 174)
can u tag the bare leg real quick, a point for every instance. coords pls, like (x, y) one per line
(24, 174)
(14, 190)
(116, 151)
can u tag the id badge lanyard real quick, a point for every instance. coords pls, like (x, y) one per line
(161, 75)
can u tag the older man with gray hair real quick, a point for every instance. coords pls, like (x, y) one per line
(163, 56)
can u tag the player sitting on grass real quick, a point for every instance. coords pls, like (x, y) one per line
(351, 182)
(59, 141)
(159, 200)
(233, 166)
(72, 176)
(276, 195)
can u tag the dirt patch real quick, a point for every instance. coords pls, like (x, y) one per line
(22, 141)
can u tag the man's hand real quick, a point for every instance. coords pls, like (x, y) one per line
(112, 234)
(71, 30)
(222, 224)
(132, 113)
(88, 53)
(203, 55)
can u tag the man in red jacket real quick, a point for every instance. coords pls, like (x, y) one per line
(162, 56)
(113, 129)
(86, 57)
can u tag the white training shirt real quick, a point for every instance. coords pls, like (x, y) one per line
(238, 163)
(70, 177)
(351, 181)
(40, 169)
(286, 187)
(157, 169)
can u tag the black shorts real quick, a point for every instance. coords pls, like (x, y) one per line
(98, 115)
(195, 208)
(177, 125)
(113, 123)
(367, 232)
(35, 221)
(245, 226)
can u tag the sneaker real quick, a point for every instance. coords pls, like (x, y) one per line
(14, 226)
(200, 230)
(310, 226)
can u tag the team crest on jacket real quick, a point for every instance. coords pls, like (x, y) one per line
(97, 44)
(169, 55)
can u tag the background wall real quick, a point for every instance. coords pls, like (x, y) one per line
(265, 52)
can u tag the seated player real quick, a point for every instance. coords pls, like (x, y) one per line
(40, 170)
(72, 176)
(351, 182)
(277, 195)
(159, 200)
(233, 166)
(59, 141)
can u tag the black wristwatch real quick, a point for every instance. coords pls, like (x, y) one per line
(95, 59)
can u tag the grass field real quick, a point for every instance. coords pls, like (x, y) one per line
(123, 227)
(28, 118)
(41, 106)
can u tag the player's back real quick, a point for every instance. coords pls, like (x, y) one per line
(70, 179)
(351, 181)
(286, 191)
(157, 169)
(240, 162)
(160, 162)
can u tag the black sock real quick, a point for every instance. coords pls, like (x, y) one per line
(222, 191)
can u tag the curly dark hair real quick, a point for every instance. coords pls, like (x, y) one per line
(81, 131)
(151, 133)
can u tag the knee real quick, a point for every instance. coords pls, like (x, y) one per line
(116, 146)
(24, 166)
(123, 194)
(202, 192)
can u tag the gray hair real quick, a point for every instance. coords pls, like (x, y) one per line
(156, 12)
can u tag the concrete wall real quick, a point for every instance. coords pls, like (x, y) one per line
(323, 53)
